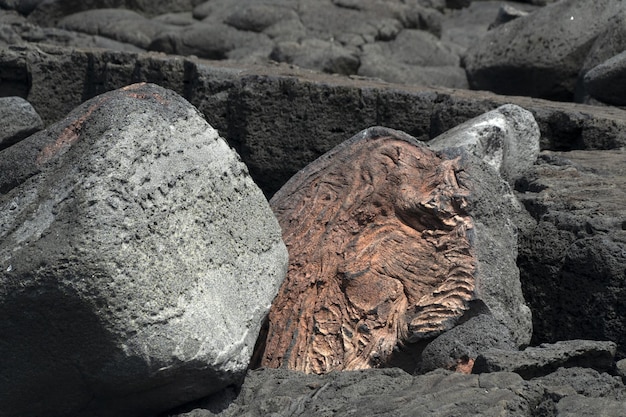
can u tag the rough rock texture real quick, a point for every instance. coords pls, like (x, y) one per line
(607, 81)
(506, 138)
(572, 262)
(547, 358)
(18, 119)
(458, 348)
(137, 261)
(413, 56)
(18, 31)
(540, 55)
(376, 392)
(279, 118)
(390, 244)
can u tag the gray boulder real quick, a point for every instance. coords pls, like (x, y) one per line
(137, 261)
(467, 26)
(212, 41)
(539, 55)
(607, 81)
(18, 120)
(610, 42)
(507, 138)
(119, 24)
(533, 362)
(506, 13)
(278, 117)
(317, 54)
(256, 17)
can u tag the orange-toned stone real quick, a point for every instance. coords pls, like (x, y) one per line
(379, 255)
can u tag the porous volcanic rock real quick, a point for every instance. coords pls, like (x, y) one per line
(606, 82)
(137, 261)
(49, 12)
(390, 244)
(18, 120)
(572, 262)
(507, 138)
(540, 55)
(546, 358)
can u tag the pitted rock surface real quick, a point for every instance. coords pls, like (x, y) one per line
(137, 261)
(382, 252)
(506, 138)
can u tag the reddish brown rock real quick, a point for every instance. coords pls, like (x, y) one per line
(380, 251)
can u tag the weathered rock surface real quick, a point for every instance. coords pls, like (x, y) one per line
(137, 260)
(458, 348)
(538, 361)
(279, 118)
(390, 244)
(506, 138)
(376, 392)
(18, 120)
(607, 81)
(17, 30)
(49, 12)
(541, 54)
(572, 262)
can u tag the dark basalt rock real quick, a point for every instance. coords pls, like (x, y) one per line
(572, 262)
(20, 120)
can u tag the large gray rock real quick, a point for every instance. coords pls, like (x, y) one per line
(572, 262)
(547, 358)
(136, 266)
(119, 24)
(18, 119)
(506, 138)
(607, 81)
(541, 54)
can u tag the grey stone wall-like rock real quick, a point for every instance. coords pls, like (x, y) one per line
(260, 110)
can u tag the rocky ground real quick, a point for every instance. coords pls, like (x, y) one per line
(283, 82)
